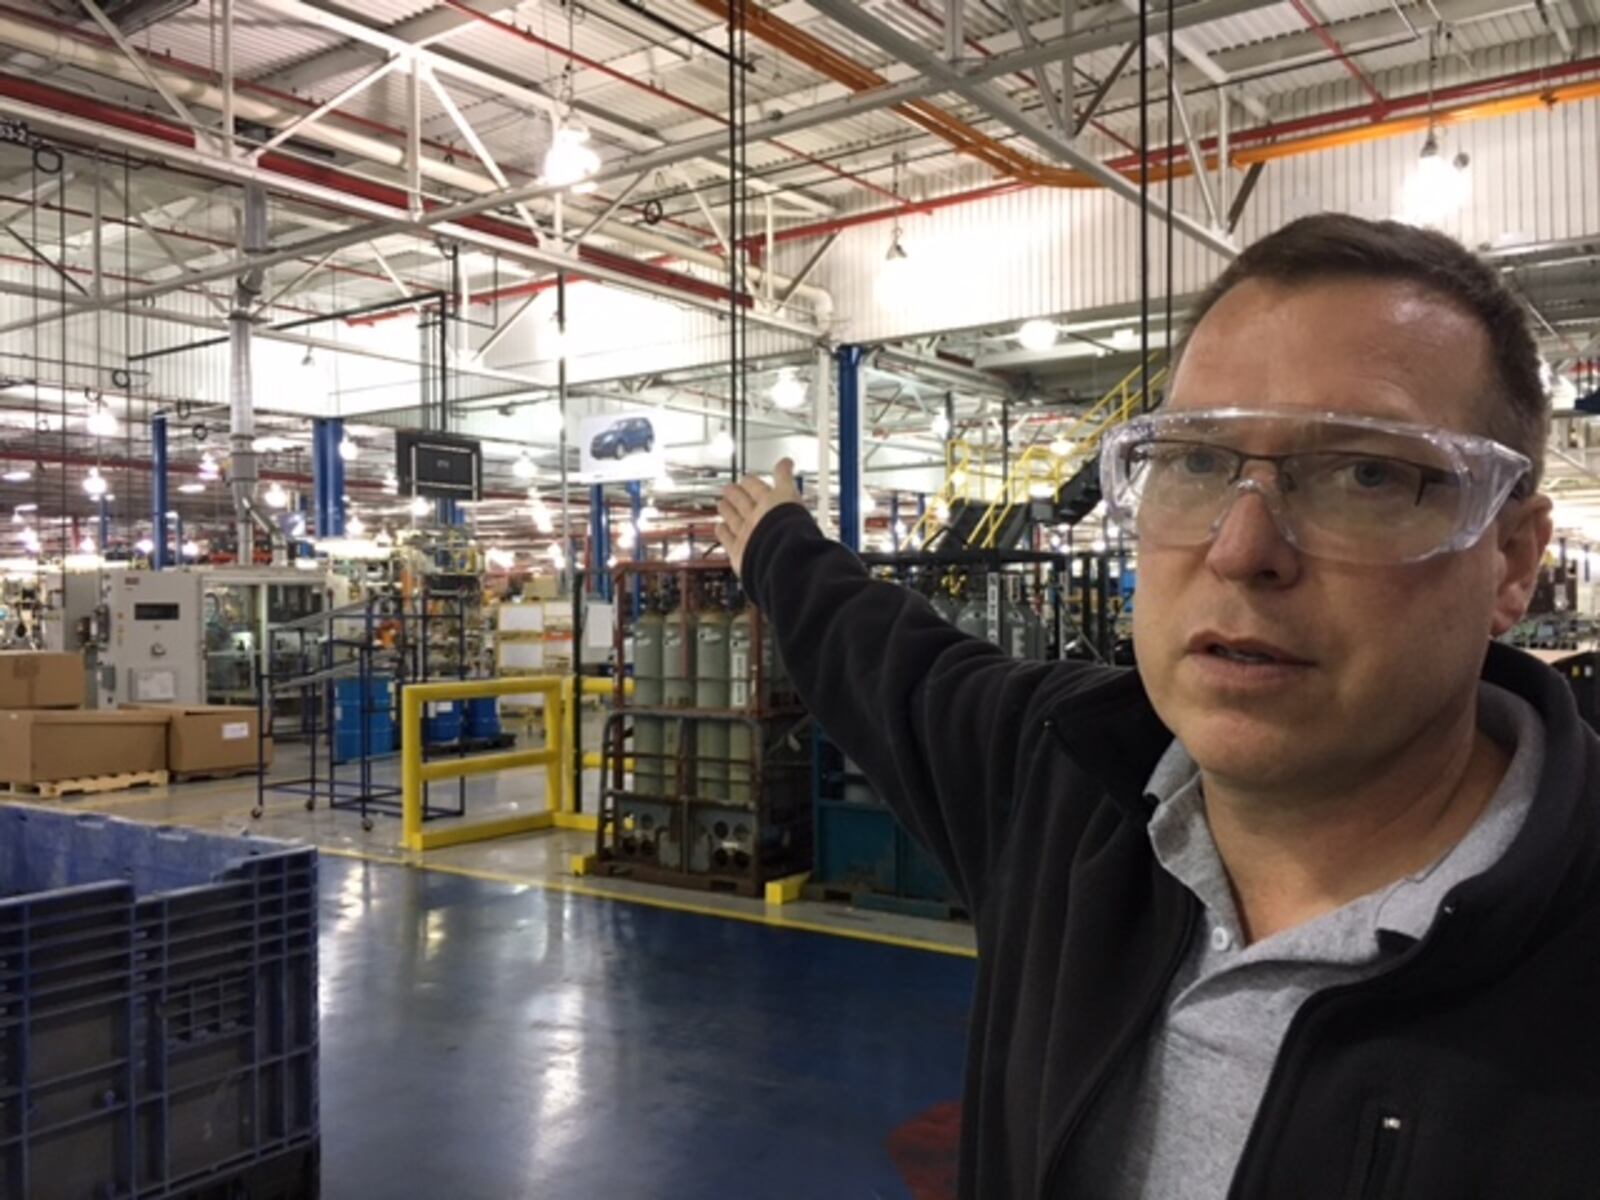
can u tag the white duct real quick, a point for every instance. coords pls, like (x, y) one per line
(63, 50)
(241, 389)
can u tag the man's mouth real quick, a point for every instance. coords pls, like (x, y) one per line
(1250, 651)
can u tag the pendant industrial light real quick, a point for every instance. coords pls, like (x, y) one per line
(893, 285)
(569, 161)
(1437, 186)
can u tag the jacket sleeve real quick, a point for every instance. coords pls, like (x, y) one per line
(934, 717)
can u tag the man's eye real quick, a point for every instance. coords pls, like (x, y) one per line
(1201, 462)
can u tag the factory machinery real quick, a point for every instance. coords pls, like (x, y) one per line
(1033, 606)
(719, 795)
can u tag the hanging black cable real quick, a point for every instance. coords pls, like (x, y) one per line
(738, 332)
(1172, 93)
(1144, 204)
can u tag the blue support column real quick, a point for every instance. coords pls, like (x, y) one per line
(848, 359)
(159, 557)
(327, 475)
(177, 538)
(894, 520)
(599, 541)
(449, 512)
(105, 525)
(636, 504)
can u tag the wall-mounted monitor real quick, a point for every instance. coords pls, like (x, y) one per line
(439, 465)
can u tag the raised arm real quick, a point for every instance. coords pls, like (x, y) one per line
(940, 722)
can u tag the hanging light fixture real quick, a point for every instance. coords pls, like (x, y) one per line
(391, 483)
(86, 544)
(1437, 187)
(1037, 335)
(569, 161)
(191, 548)
(17, 476)
(191, 489)
(1060, 447)
(144, 545)
(868, 504)
(209, 471)
(421, 506)
(893, 285)
(349, 450)
(355, 526)
(94, 483)
(788, 392)
(941, 425)
(275, 496)
(30, 539)
(558, 557)
(722, 444)
(100, 422)
(523, 468)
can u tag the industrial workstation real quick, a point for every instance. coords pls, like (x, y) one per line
(799, 599)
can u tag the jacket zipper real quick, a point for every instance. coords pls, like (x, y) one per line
(1129, 1035)
(1380, 1160)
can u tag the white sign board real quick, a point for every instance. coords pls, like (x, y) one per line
(616, 448)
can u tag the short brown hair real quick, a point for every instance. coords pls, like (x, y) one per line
(1337, 245)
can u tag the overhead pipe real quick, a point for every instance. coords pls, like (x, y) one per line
(145, 125)
(68, 47)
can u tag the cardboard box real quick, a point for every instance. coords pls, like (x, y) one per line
(43, 746)
(41, 679)
(210, 737)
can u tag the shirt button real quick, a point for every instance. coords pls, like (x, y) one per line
(1221, 939)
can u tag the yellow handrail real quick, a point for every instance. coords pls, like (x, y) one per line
(1115, 407)
(957, 487)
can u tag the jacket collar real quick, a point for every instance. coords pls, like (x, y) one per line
(1112, 732)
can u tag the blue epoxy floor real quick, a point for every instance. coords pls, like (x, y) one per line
(486, 1041)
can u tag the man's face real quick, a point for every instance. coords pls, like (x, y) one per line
(1389, 652)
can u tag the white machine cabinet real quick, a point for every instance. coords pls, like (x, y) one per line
(154, 652)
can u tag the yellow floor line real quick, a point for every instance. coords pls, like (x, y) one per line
(400, 859)
(703, 910)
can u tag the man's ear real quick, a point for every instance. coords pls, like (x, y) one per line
(1522, 534)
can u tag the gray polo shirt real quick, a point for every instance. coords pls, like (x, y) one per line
(1173, 1122)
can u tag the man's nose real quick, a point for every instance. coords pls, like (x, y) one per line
(1250, 546)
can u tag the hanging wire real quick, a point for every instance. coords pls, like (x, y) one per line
(1172, 95)
(1144, 204)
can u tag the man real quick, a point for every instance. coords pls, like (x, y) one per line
(1309, 905)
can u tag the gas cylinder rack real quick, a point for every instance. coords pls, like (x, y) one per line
(719, 797)
(1017, 599)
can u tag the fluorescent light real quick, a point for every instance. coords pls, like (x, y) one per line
(17, 476)
(28, 507)
(271, 444)
(1037, 335)
(191, 488)
(101, 423)
(788, 392)
(569, 159)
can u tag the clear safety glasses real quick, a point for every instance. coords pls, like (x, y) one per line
(1351, 488)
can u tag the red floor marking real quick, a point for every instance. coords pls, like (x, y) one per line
(924, 1151)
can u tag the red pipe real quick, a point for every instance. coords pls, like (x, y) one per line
(74, 104)
(1338, 51)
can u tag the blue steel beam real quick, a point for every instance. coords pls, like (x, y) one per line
(158, 491)
(848, 359)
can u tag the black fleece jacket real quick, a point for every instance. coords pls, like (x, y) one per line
(1026, 780)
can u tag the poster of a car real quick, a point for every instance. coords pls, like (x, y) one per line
(618, 447)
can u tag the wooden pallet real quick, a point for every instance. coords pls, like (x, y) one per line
(214, 773)
(57, 788)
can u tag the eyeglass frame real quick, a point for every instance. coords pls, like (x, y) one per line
(1500, 474)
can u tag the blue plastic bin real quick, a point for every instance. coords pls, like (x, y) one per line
(158, 1009)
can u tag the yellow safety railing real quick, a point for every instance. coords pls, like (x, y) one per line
(1039, 467)
(560, 711)
(960, 473)
(414, 772)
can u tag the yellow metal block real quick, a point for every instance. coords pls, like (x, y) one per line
(482, 831)
(788, 889)
(584, 864)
